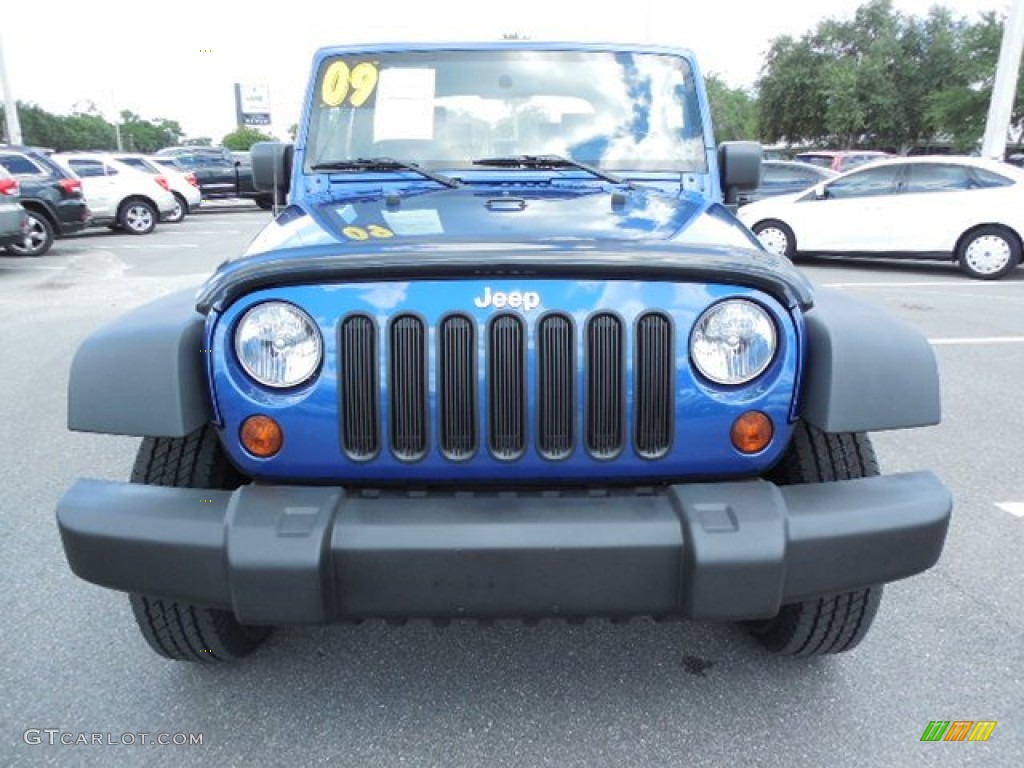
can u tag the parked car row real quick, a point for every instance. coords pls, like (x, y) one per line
(45, 195)
(51, 195)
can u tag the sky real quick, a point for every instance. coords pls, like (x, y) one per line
(181, 62)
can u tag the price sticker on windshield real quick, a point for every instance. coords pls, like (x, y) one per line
(351, 84)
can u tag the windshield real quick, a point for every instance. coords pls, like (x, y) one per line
(445, 109)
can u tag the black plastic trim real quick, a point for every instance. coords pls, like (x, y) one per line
(424, 410)
(622, 384)
(574, 376)
(523, 354)
(294, 554)
(374, 364)
(671, 407)
(473, 392)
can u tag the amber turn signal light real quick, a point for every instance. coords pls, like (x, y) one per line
(752, 432)
(262, 436)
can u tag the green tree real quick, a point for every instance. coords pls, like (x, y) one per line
(882, 79)
(733, 110)
(960, 106)
(240, 140)
(139, 135)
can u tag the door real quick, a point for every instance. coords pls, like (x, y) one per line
(939, 201)
(853, 215)
(98, 187)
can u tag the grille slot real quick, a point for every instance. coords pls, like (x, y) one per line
(506, 387)
(358, 387)
(457, 389)
(605, 376)
(407, 372)
(556, 386)
(652, 386)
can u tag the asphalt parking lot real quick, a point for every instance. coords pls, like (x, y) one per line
(947, 645)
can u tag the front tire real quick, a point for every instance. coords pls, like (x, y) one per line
(176, 630)
(777, 238)
(137, 217)
(832, 623)
(39, 238)
(988, 253)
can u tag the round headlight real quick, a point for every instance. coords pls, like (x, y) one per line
(278, 344)
(733, 342)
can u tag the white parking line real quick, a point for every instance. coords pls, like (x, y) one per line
(203, 232)
(29, 266)
(977, 340)
(155, 245)
(1015, 508)
(930, 284)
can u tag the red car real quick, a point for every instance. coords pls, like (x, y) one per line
(840, 161)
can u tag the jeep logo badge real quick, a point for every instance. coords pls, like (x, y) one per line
(524, 300)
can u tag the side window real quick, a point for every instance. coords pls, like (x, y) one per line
(808, 178)
(19, 165)
(923, 177)
(110, 170)
(987, 179)
(87, 168)
(868, 183)
(778, 175)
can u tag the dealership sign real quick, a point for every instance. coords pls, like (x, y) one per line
(252, 104)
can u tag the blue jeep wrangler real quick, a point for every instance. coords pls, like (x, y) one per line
(506, 353)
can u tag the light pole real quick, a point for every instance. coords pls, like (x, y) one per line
(10, 107)
(1004, 90)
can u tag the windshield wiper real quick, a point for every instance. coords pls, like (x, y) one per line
(549, 161)
(384, 164)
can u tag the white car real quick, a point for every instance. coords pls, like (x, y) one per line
(966, 209)
(184, 185)
(119, 195)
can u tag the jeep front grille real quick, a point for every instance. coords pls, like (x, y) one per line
(407, 387)
(358, 387)
(506, 386)
(562, 384)
(456, 382)
(605, 385)
(556, 387)
(652, 385)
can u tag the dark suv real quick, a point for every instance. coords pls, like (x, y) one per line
(51, 195)
(220, 173)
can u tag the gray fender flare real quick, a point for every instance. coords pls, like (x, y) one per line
(866, 369)
(144, 374)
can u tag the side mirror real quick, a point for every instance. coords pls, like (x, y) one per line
(820, 192)
(739, 168)
(272, 167)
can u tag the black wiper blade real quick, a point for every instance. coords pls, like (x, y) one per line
(549, 161)
(384, 164)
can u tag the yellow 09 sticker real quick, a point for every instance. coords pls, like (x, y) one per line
(372, 230)
(355, 83)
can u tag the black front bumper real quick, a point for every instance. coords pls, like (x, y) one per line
(297, 554)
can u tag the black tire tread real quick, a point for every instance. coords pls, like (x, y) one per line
(176, 630)
(831, 623)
